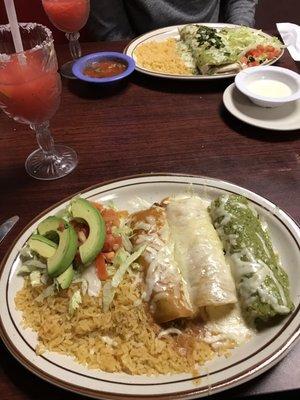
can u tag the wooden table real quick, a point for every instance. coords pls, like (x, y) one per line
(148, 125)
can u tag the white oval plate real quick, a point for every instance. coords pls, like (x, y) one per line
(172, 32)
(283, 118)
(260, 353)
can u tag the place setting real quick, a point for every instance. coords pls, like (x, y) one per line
(274, 88)
(186, 63)
(151, 253)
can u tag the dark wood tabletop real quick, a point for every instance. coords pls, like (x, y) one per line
(147, 125)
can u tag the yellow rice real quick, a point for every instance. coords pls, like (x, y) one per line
(161, 57)
(123, 339)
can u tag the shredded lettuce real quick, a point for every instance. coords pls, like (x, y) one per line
(25, 270)
(31, 265)
(35, 263)
(127, 260)
(49, 291)
(122, 262)
(108, 295)
(125, 232)
(75, 302)
(112, 205)
(65, 214)
(35, 278)
(84, 287)
(26, 253)
(123, 229)
(45, 278)
(120, 257)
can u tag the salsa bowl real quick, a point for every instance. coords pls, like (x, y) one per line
(103, 67)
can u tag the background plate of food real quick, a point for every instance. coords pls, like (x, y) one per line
(157, 285)
(203, 51)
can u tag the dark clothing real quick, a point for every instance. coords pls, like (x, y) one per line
(123, 19)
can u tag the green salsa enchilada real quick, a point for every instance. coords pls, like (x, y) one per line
(261, 282)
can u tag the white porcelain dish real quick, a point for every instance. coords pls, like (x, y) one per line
(172, 32)
(282, 77)
(284, 118)
(264, 350)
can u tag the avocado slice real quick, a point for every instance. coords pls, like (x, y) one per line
(84, 210)
(42, 246)
(67, 245)
(66, 278)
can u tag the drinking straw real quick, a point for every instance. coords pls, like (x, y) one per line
(14, 26)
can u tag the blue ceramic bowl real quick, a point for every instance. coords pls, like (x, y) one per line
(80, 64)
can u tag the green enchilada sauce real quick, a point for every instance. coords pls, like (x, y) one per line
(261, 282)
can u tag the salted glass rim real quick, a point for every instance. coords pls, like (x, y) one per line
(30, 26)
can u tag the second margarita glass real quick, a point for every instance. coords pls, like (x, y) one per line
(68, 16)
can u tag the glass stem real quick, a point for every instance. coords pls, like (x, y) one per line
(44, 138)
(74, 45)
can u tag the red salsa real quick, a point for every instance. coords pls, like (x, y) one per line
(104, 68)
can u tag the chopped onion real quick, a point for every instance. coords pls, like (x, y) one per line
(108, 340)
(169, 331)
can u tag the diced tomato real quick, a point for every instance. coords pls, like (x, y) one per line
(255, 53)
(269, 48)
(277, 52)
(97, 205)
(110, 216)
(270, 55)
(101, 267)
(109, 240)
(263, 52)
(112, 243)
(253, 64)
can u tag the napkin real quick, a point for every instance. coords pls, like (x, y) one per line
(290, 34)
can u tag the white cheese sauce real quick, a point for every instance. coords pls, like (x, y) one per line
(226, 323)
(269, 88)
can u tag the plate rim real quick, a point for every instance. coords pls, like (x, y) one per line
(189, 77)
(232, 110)
(230, 382)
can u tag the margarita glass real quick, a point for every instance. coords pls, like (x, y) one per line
(68, 16)
(30, 89)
